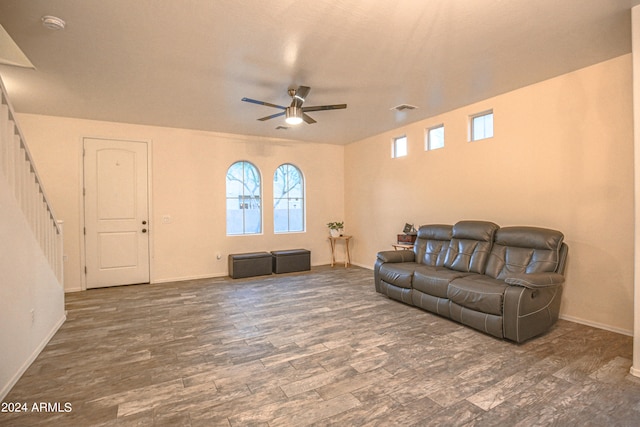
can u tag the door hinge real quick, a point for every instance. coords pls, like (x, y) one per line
(84, 191)
(84, 230)
(85, 269)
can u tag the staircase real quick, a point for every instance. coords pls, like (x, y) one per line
(31, 257)
(16, 164)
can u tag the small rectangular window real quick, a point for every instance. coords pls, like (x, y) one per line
(482, 126)
(399, 147)
(435, 138)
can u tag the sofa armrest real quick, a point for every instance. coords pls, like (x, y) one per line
(389, 257)
(396, 256)
(535, 280)
(530, 312)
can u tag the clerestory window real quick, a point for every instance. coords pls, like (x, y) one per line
(482, 125)
(399, 147)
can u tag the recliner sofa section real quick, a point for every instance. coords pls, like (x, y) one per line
(506, 282)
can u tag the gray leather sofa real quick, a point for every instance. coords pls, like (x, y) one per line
(506, 282)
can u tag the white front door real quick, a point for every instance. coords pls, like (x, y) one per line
(116, 212)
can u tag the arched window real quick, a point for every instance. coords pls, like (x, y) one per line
(288, 199)
(244, 206)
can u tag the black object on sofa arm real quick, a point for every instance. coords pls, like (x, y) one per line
(506, 282)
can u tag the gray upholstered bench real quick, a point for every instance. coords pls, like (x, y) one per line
(291, 260)
(249, 264)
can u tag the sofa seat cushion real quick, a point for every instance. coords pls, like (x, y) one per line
(434, 280)
(398, 274)
(479, 293)
(430, 303)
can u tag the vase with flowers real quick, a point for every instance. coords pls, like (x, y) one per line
(335, 228)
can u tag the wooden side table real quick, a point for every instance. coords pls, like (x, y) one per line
(347, 256)
(402, 246)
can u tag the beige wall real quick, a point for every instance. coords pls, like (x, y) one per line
(188, 171)
(561, 157)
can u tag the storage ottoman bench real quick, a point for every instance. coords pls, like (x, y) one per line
(291, 260)
(249, 264)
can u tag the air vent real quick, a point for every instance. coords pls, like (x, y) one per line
(404, 107)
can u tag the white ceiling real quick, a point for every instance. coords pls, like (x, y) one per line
(188, 63)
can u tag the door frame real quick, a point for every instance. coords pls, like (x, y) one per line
(152, 225)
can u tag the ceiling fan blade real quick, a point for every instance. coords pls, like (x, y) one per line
(268, 104)
(325, 107)
(300, 96)
(273, 116)
(307, 119)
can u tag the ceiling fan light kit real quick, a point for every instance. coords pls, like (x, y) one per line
(295, 113)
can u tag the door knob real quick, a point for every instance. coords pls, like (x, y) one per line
(144, 230)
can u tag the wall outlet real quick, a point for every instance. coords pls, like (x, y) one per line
(167, 219)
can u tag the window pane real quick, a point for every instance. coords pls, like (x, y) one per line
(477, 128)
(244, 207)
(234, 180)
(234, 222)
(400, 146)
(288, 199)
(253, 220)
(488, 125)
(482, 126)
(280, 220)
(435, 138)
(296, 220)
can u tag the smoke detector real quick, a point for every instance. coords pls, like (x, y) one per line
(53, 22)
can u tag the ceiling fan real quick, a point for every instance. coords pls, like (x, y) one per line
(296, 113)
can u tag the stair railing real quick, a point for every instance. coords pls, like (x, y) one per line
(16, 164)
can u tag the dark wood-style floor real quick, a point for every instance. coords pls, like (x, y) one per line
(317, 348)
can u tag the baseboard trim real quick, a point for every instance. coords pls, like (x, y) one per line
(597, 325)
(367, 267)
(197, 277)
(217, 276)
(7, 387)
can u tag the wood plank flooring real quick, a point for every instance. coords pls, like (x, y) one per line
(318, 348)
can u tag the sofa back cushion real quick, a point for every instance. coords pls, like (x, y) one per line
(524, 250)
(470, 246)
(432, 243)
